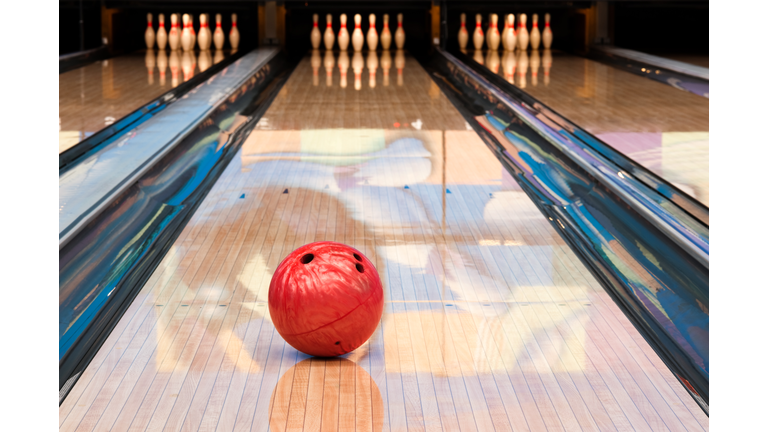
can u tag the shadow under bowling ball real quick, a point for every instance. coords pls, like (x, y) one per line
(326, 394)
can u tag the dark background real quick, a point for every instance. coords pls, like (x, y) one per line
(656, 27)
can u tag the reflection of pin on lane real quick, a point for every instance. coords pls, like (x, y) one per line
(386, 64)
(372, 64)
(535, 62)
(162, 65)
(399, 65)
(149, 62)
(357, 67)
(546, 61)
(315, 61)
(328, 62)
(326, 386)
(343, 67)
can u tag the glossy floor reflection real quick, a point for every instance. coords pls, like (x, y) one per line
(490, 321)
(664, 129)
(95, 96)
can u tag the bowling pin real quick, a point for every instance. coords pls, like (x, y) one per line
(463, 33)
(535, 62)
(386, 64)
(174, 61)
(174, 37)
(185, 36)
(357, 67)
(493, 33)
(328, 62)
(504, 34)
(510, 39)
(315, 61)
(315, 36)
(162, 65)
(492, 60)
(508, 63)
(372, 64)
(386, 35)
(234, 33)
(149, 33)
(372, 37)
(343, 67)
(477, 36)
(149, 62)
(218, 34)
(357, 35)
(192, 34)
(328, 37)
(400, 33)
(204, 39)
(535, 34)
(162, 35)
(546, 36)
(522, 35)
(522, 67)
(399, 65)
(343, 33)
(204, 60)
(546, 62)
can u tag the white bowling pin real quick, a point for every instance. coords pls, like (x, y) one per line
(218, 34)
(372, 64)
(400, 33)
(149, 33)
(315, 35)
(386, 64)
(328, 37)
(535, 62)
(186, 40)
(162, 35)
(192, 34)
(149, 62)
(357, 67)
(463, 33)
(357, 35)
(174, 35)
(399, 65)
(162, 65)
(204, 39)
(546, 36)
(535, 34)
(504, 34)
(386, 35)
(343, 67)
(328, 63)
(372, 37)
(234, 33)
(510, 39)
(493, 33)
(343, 33)
(315, 61)
(522, 35)
(477, 36)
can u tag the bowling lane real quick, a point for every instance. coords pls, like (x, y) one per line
(490, 321)
(95, 96)
(664, 129)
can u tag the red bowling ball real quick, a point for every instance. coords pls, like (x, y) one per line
(326, 299)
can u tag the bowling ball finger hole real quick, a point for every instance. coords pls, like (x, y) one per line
(357, 257)
(360, 268)
(306, 259)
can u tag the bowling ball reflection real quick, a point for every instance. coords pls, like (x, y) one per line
(326, 394)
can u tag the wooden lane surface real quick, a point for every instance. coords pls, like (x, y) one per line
(490, 321)
(662, 128)
(93, 96)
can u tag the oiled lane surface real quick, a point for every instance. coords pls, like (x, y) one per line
(95, 96)
(490, 321)
(662, 128)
